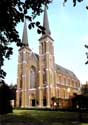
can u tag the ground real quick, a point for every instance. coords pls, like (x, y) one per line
(40, 117)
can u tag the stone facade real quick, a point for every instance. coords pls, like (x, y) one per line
(39, 78)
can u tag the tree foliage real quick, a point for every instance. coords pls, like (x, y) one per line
(84, 89)
(74, 2)
(86, 46)
(13, 91)
(80, 102)
(13, 12)
(5, 98)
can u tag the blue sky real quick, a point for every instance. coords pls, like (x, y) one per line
(69, 29)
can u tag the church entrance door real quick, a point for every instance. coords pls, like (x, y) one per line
(33, 102)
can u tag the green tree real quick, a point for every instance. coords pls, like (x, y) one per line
(13, 91)
(5, 98)
(74, 2)
(13, 12)
(84, 89)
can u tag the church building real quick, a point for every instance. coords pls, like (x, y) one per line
(39, 78)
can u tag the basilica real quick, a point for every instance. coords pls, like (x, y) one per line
(39, 78)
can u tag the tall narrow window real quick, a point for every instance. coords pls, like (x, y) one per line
(60, 80)
(44, 76)
(33, 77)
(43, 44)
(44, 47)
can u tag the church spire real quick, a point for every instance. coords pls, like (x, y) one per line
(46, 22)
(25, 37)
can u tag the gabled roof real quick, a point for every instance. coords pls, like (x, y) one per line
(62, 70)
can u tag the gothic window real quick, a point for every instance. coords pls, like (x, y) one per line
(43, 47)
(51, 48)
(27, 57)
(44, 76)
(72, 83)
(21, 83)
(68, 83)
(33, 77)
(64, 81)
(60, 79)
(21, 57)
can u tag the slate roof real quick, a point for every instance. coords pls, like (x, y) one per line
(64, 71)
(46, 22)
(25, 36)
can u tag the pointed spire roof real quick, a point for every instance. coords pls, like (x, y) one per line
(25, 37)
(46, 22)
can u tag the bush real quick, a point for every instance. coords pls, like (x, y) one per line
(5, 97)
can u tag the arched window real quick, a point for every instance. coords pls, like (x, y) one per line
(32, 77)
(43, 44)
(44, 76)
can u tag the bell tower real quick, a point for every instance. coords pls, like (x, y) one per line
(22, 77)
(46, 65)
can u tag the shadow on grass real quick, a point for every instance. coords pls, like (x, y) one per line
(39, 118)
(17, 119)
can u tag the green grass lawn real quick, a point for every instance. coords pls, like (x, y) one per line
(84, 124)
(38, 117)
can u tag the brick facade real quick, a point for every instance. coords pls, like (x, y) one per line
(39, 78)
